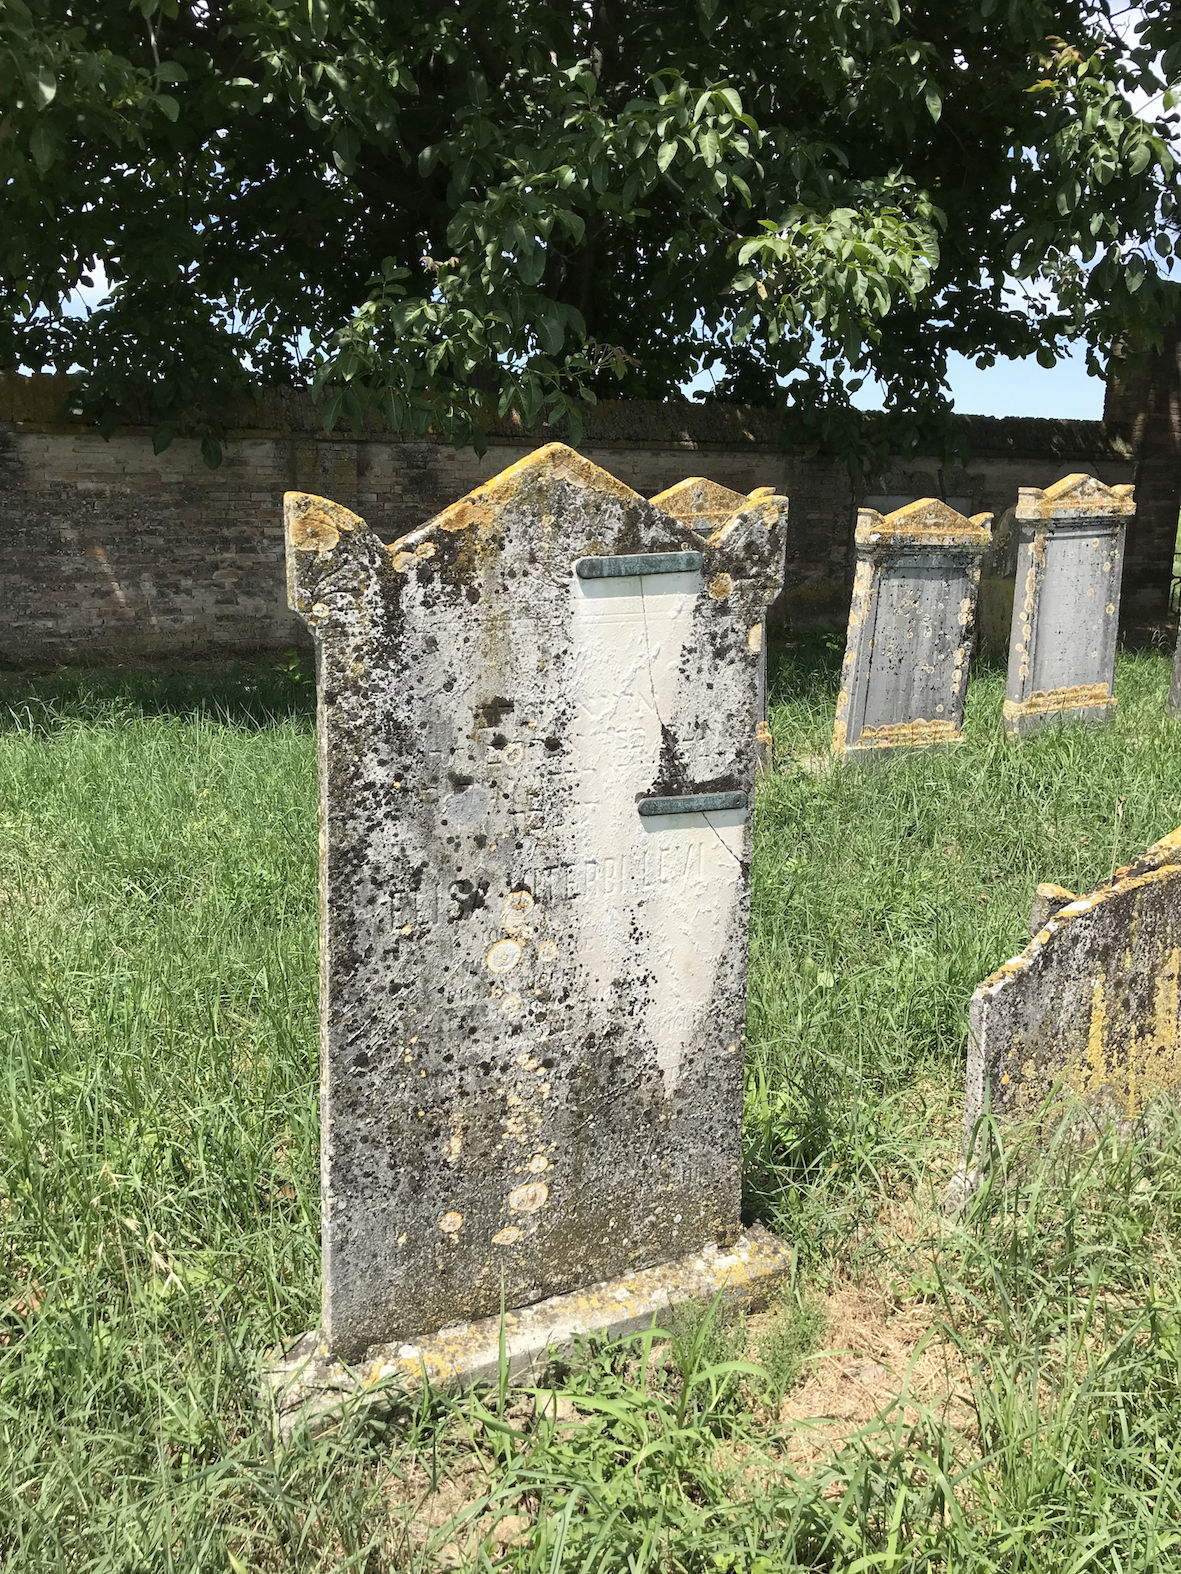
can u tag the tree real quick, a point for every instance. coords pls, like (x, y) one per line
(444, 211)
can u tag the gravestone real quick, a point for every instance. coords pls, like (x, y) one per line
(905, 673)
(1091, 1006)
(1070, 556)
(1173, 707)
(536, 737)
(998, 576)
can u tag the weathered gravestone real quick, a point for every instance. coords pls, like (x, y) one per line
(905, 673)
(1070, 556)
(1090, 1007)
(537, 731)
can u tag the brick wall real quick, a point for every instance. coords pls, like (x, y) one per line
(110, 552)
(1144, 409)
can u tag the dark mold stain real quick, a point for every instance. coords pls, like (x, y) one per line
(492, 712)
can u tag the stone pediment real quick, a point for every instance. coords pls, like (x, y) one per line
(929, 520)
(556, 471)
(1075, 494)
(697, 498)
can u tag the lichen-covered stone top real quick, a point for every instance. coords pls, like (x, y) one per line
(1075, 496)
(705, 504)
(927, 522)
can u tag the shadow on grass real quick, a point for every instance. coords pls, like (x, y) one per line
(249, 694)
(803, 663)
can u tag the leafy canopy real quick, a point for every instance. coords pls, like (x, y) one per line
(444, 211)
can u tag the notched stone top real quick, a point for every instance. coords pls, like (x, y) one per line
(927, 522)
(1159, 861)
(315, 524)
(1075, 495)
(537, 518)
(314, 527)
(577, 510)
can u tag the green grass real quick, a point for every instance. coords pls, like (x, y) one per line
(159, 1186)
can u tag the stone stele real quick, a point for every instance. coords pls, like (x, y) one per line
(905, 673)
(1090, 1007)
(537, 719)
(1070, 558)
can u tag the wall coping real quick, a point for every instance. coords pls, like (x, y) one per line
(35, 402)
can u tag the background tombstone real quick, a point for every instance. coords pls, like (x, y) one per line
(998, 577)
(705, 505)
(1070, 558)
(905, 673)
(1091, 1004)
(1174, 701)
(536, 773)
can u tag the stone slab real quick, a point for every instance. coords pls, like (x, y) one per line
(305, 1389)
(905, 673)
(1091, 1006)
(1066, 606)
(533, 993)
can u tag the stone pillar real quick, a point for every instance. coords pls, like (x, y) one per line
(1070, 558)
(537, 719)
(905, 673)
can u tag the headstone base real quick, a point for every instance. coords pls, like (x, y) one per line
(876, 745)
(306, 1390)
(1092, 703)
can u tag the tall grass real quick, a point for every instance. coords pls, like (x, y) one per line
(159, 1189)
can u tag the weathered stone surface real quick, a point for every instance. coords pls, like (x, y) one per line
(1066, 608)
(308, 1389)
(532, 984)
(705, 505)
(1090, 1005)
(905, 673)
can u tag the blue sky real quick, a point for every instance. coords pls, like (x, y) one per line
(1019, 388)
(1061, 392)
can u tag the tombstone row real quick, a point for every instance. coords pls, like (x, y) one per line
(540, 716)
(905, 673)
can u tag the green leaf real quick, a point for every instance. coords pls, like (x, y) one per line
(933, 100)
(43, 146)
(665, 154)
(46, 85)
(171, 110)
